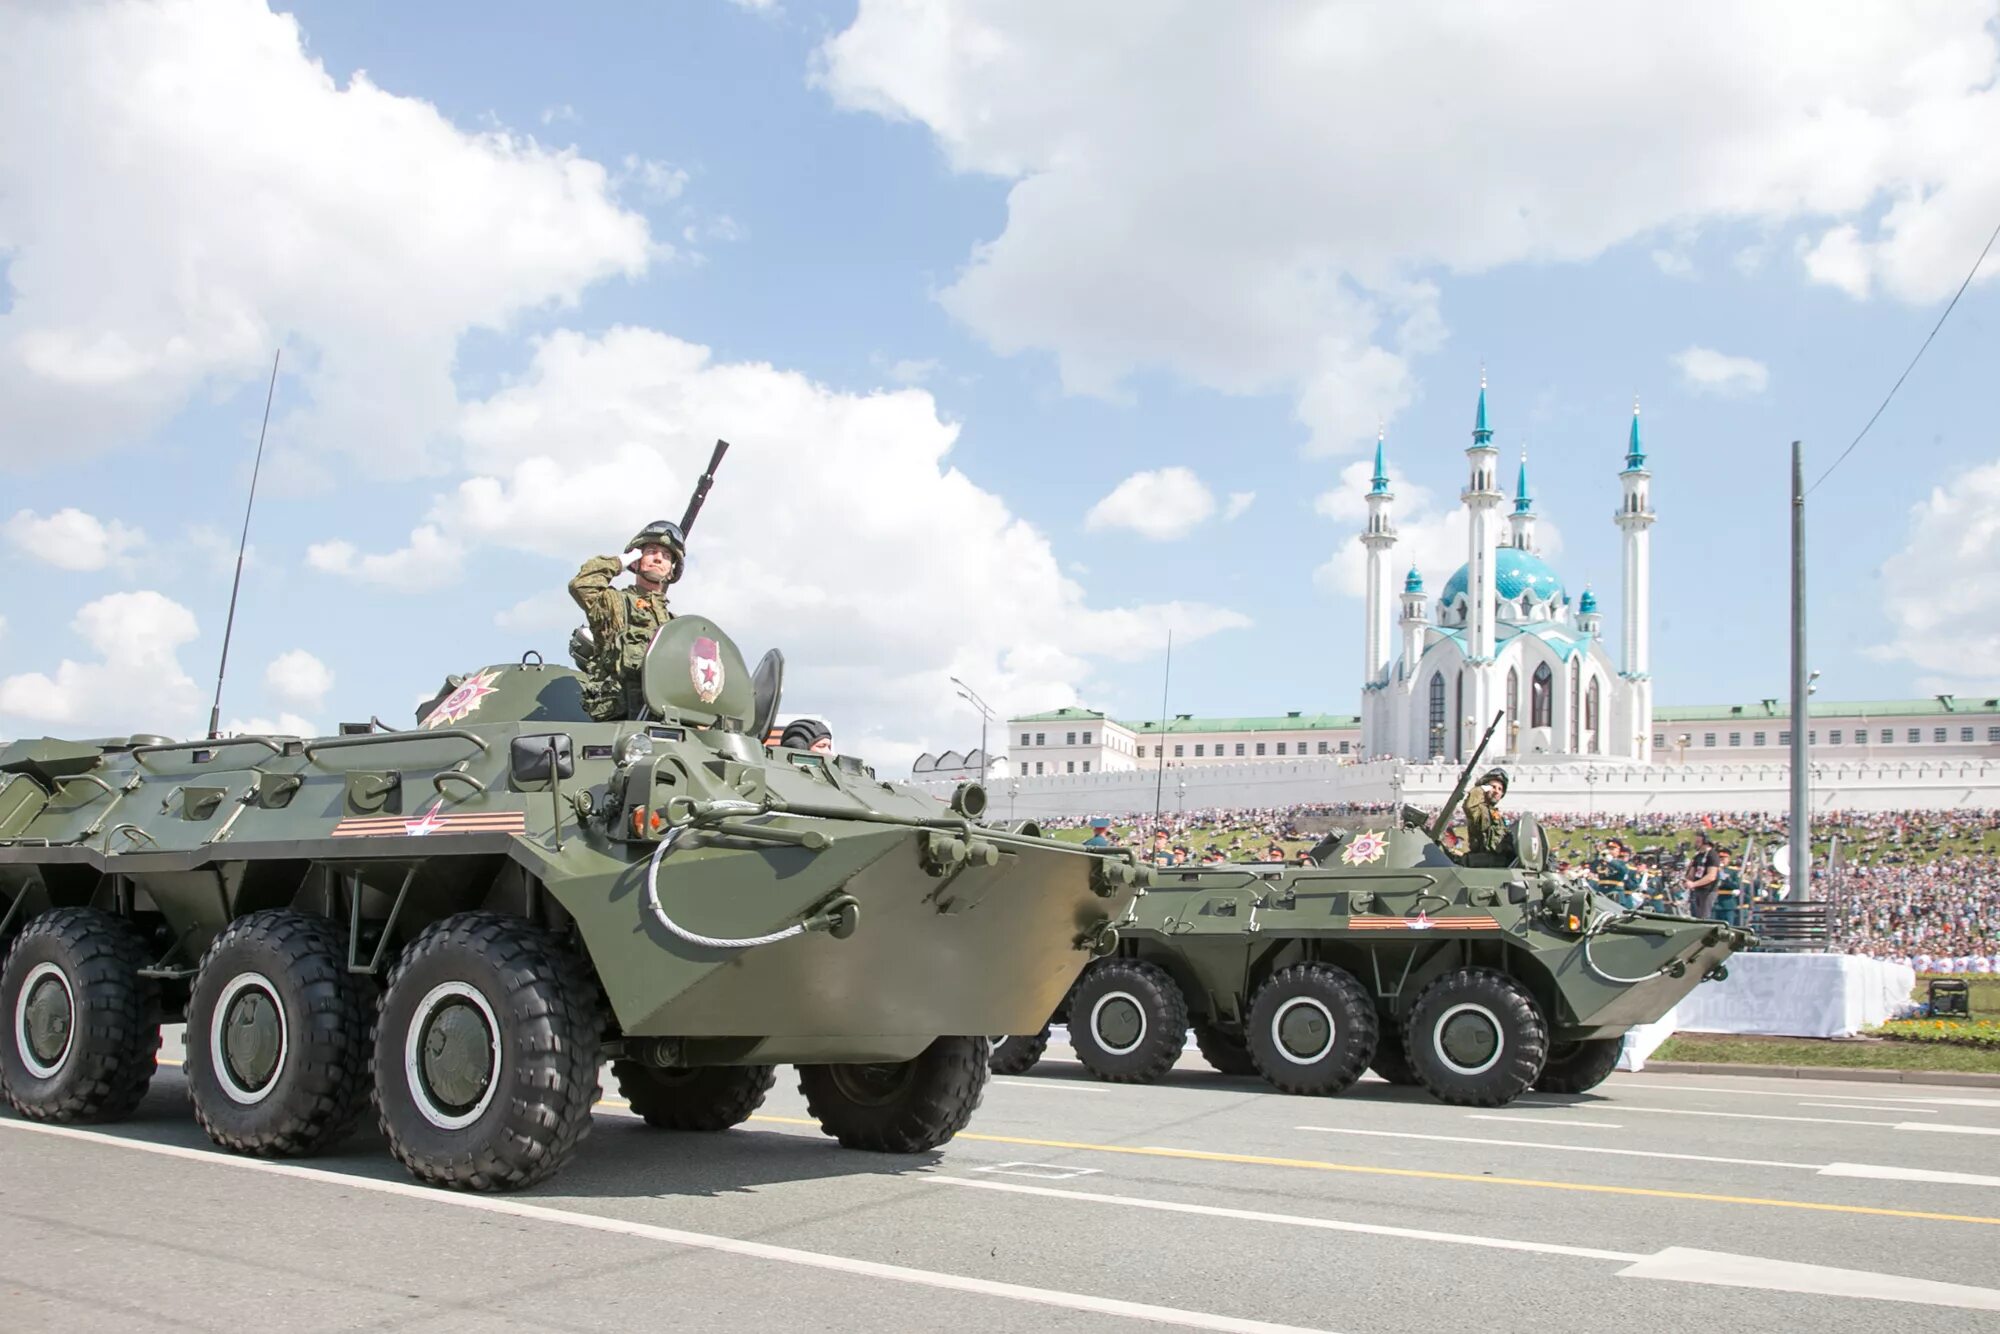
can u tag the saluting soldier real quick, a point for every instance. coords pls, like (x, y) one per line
(1487, 840)
(624, 620)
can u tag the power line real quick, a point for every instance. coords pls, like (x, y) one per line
(1913, 360)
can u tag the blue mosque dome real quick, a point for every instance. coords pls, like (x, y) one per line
(1414, 582)
(1515, 572)
(1587, 603)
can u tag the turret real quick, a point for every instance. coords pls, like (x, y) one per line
(1416, 619)
(1587, 619)
(1379, 537)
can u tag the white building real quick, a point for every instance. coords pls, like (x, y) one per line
(1083, 741)
(1507, 637)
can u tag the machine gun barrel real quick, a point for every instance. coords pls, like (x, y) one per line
(1464, 779)
(700, 495)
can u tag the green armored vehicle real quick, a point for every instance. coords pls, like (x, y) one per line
(1476, 983)
(462, 920)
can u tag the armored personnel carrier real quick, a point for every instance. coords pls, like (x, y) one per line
(1475, 983)
(462, 920)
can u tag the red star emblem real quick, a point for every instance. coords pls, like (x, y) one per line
(463, 700)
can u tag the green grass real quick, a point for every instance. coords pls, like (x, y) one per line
(1821, 1053)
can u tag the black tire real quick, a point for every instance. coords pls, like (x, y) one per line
(504, 1018)
(1311, 1030)
(83, 1028)
(1578, 1067)
(704, 1098)
(279, 1035)
(1476, 1038)
(1017, 1055)
(1391, 1061)
(1128, 1021)
(899, 1106)
(1226, 1053)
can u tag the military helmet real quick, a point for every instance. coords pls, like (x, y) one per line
(666, 533)
(1494, 776)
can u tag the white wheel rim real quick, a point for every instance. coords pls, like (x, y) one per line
(1277, 1022)
(1098, 1033)
(1499, 1038)
(21, 1043)
(218, 1024)
(413, 1054)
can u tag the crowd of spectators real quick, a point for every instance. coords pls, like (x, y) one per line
(1918, 886)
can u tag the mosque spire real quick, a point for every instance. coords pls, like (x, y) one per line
(1481, 432)
(1380, 482)
(1635, 453)
(1523, 502)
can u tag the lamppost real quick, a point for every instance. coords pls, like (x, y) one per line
(1590, 788)
(1013, 792)
(1180, 795)
(1437, 742)
(1681, 746)
(986, 715)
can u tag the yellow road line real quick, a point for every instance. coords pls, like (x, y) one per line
(1318, 1165)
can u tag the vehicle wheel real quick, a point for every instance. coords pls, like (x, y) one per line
(1128, 1021)
(1391, 1061)
(707, 1097)
(1311, 1029)
(486, 1053)
(1576, 1067)
(279, 1034)
(83, 1028)
(1017, 1055)
(1226, 1053)
(1475, 1038)
(899, 1106)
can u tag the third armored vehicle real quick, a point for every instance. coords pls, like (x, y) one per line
(457, 922)
(1476, 983)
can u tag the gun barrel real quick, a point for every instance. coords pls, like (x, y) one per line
(1464, 780)
(700, 495)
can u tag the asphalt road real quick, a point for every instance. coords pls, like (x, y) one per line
(1658, 1202)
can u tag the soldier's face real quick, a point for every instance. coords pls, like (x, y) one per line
(655, 564)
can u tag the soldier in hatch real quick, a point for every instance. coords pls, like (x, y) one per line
(1487, 839)
(623, 621)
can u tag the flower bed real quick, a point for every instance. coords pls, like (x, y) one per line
(1951, 1032)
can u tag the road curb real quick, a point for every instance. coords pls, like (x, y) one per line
(1959, 1078)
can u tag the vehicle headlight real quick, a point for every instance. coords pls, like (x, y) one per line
(635, 747)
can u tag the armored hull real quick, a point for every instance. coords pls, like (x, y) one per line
(491, 901)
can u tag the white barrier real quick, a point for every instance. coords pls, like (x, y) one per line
(1797, 995)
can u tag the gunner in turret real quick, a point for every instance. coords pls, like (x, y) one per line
(624, 620)
(1488, 841)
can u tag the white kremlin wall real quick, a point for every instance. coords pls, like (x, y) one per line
(1666, 789)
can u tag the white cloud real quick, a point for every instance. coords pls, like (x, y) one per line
(1673, 263)
(1239, 501)
(1954, 544)
(1205, 188)
(910, 370)
(70, 539)
(1839, 259)
(1431, 533)
(426, 559)
(285, 724)
(1705, 370)
(197, 189)
(603, 434)
(299, 679)
(1162, 504)
(137, 682)
(564, 112)
(654, 182)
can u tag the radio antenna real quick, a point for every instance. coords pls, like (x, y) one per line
(236, 584)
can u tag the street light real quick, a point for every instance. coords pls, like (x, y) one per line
(986, 715)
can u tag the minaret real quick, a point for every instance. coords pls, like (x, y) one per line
(1521, 523)
(1587, 619)
(1416, 620)
(1482, 502)
(1635, 517)
(1395, 737)
(1379, 537)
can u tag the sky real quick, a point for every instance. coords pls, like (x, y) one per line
(1040, 332)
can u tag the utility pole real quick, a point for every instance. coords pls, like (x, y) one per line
(1799, 883)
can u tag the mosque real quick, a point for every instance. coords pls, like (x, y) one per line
(1504, 634)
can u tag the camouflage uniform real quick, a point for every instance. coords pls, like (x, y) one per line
(623, 622)
(1487, 842)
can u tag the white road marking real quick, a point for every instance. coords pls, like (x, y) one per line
(1830, 1093)
(1039, 1171)
(1561, 1148)
(1679, 1264)
(1857, 1107)
(1674, 1264)
(1877, 1173)
(756, 1250)
(1059, 1085)
(1734, 1116)
(1563, 1121)
(1949, 1130)
(1286, 1220)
